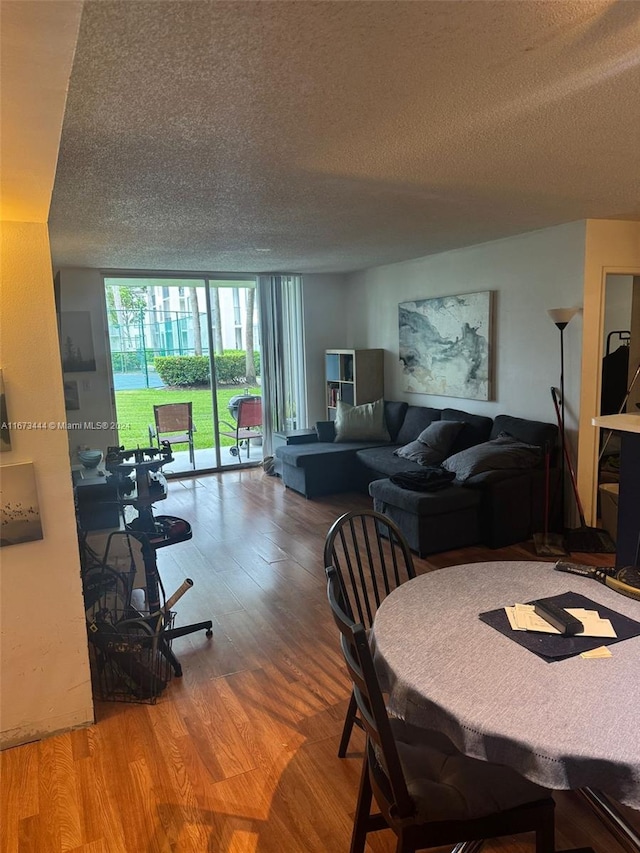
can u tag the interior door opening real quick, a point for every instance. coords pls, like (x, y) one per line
(619, 387)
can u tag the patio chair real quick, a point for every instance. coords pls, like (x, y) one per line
(247, 426)
(174, 423)
(427, 792)
(371, 557)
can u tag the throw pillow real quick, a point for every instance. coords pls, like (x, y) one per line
(326, 430)
(433, 443)
(361, 423)
(440, 436)
(418, 452)
(504, 452)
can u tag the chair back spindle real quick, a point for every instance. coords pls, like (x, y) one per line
(372, 558)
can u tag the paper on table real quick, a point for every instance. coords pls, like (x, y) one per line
(511, 616)
(522, 617)
(600, 652)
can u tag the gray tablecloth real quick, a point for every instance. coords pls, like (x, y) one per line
(569, 724)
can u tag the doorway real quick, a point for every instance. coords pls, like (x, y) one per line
(192, 341)
(620, 384)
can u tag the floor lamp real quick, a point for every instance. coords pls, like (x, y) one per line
(561, 317)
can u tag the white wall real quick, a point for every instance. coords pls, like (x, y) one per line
(529, 274)
(44, 666)
(325, 306)
(83, 290)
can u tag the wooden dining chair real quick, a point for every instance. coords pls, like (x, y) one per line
(429, 794)
(371, 556)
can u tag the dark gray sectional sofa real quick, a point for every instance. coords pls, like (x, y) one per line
(496, 507)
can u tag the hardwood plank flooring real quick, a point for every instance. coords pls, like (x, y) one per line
(239, 755)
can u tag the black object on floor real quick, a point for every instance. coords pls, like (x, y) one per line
(590, 540)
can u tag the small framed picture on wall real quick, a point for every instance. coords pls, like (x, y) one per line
(5, 432)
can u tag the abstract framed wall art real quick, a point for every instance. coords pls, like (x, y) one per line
(19, 510)
(446, 345)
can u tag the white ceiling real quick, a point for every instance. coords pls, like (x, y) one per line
(332, 136)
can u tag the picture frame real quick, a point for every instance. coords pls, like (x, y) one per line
(5, 432)
(19, 508)
(445, 345)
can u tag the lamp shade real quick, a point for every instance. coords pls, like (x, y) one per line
(561, 316)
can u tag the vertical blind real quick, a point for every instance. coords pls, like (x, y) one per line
(284, 396)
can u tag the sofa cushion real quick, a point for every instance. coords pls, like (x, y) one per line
(394, 414)
(415, 421)
(531, 432)
(433, 443)
(361, 423)
(326, 430)
(503, 452)
(382, 461)
(329, 453)
(451, 499)
(477, 428)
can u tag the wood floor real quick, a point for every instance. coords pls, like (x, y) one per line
(239, 755)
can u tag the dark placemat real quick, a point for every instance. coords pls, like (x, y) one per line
(552, 647)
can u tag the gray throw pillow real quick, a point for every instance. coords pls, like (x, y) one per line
(502, 453)
(433, 443)
(361, 423)
(418, 452)
(440, 436)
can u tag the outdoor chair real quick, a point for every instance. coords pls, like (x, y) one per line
(248, 425)
(174, 423)
(371, 557)
(428, 792)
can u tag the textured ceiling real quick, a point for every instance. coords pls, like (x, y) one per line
(332, 136)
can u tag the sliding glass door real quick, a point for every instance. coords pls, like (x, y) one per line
(184, 353)
(233, 341)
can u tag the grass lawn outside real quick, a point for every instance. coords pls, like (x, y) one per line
(135, 412)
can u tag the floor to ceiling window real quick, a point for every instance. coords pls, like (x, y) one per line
(185, 348)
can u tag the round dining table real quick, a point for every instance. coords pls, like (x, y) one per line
(571, 723)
